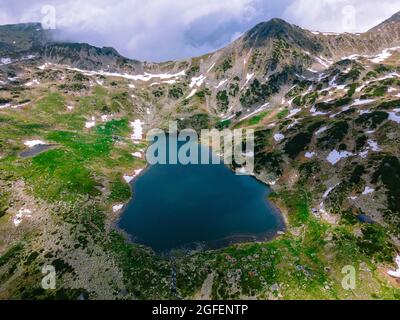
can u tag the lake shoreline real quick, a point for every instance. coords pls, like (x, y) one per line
(212, 245)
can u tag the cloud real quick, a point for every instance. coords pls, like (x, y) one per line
(143, 29)
(156, 30)
(340, 15)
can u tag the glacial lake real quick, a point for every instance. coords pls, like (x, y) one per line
(177, 206)
(35, 150)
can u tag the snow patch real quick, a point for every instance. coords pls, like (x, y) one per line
(331, 34)
(4, 106)
(19, 105)
(33, 143)
(141, 77)
(137, 130)
(396, 273)
(197, 81)
(324, 62)
(373, 146)
(243, 171)
(294, 123)
(314, 112)
(364, 154)
(23, 213)
(293, 112)
(361, 112)
(106, 117)
(169, 81)
(248, 78)
(278, 137)
(128, 179)
(321, 130)
(117, 207)
(44, 66)
(368, 190)
(33, 82)
(394, 115)
(359, 102)
(255, 111)
(137, 154)
(335, 156)
(353, 57)
(327, 192)
(90, 124)
(4, 61)
(385, 54)
(210, 68)
(221, 83)
(309, 155)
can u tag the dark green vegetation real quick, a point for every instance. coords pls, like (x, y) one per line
(297, 144)
(196, 122)
(68, 178)
(222, 100)
(4, 202)
(307, 99)
(371, 120)
(289, 266)
(327, 106)
(72, 187)
(388, 173)
(257, 93)
(233, 89)
(175, 92)
(120, 191)
(334, 135)
(226, 64)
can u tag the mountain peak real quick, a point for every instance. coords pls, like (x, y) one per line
(268, 29)
(22, 26)
(279, 29)
(393, 19)
(22, 37)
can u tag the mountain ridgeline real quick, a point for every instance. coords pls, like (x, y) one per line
(275, 36)
(273, 50)
(325, 110)
(257, 68)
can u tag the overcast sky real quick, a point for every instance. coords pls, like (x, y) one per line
(156, 30)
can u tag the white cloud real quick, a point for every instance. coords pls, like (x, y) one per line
(137, 28)
(174, 29)
(340, 15)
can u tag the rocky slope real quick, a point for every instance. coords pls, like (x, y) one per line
(326, 110)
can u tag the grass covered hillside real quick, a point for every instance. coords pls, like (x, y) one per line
(326, 123)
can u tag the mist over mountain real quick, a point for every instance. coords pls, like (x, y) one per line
(325, 111)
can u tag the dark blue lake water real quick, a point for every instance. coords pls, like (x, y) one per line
(183, 206)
